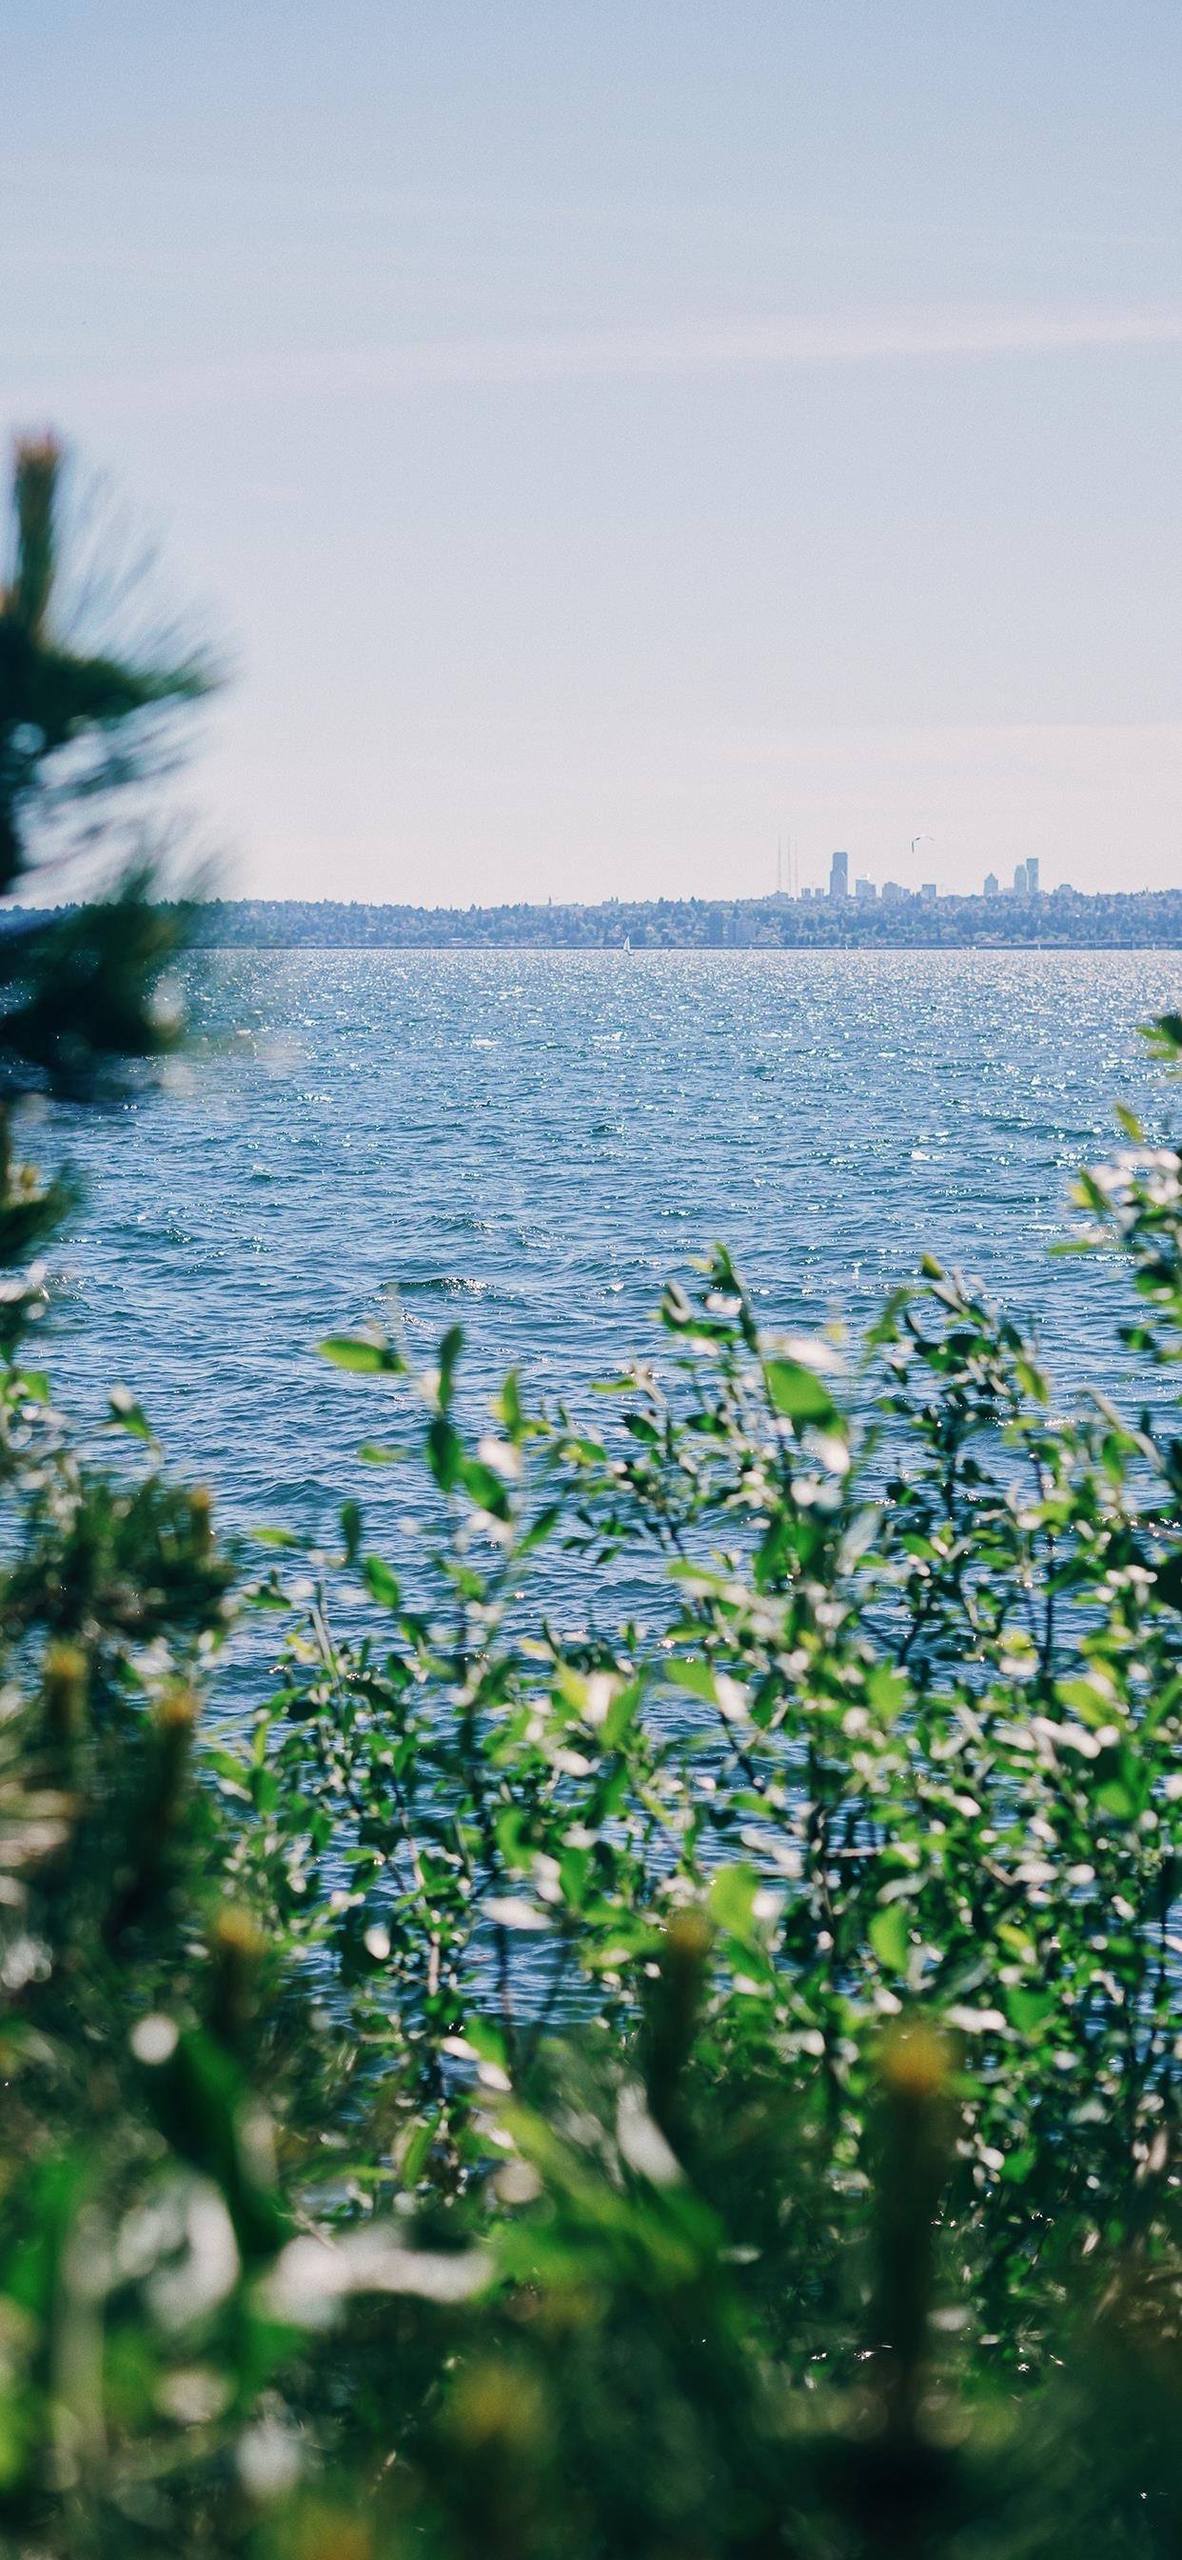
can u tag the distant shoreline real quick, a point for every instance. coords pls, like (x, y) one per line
(1057, 920)
(1061, 920)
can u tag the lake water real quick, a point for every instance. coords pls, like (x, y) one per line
(530, 1143)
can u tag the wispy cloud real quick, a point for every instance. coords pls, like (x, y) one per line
(691, 349)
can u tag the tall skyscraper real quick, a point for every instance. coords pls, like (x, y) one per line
(991, 884)
(1032, 875)
(1019, 880)
(839, 876)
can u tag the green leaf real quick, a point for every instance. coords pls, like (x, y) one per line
(508, 1406)
(484, 1487)
(731, 1900)
(888, 1691)
(621, 1715)
(124, 1414)
(890, 1936)
(365, 1354)
(698, 1677)
(798, 1393)
(445, 1451)
(1029, 2011)
(381, 1584)
(449, 1353)
(416, 2151)
(1164, 1036)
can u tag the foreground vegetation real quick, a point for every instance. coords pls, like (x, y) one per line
(693, 2087)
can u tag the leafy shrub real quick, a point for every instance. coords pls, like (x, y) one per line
(704, 2085)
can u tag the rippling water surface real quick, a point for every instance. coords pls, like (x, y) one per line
(531, 1142)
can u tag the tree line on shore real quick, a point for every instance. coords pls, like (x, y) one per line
(1061, 920)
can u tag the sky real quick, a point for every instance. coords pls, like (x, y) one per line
(607, 437)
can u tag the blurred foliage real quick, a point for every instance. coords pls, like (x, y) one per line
(696, 2088)
(91, 688)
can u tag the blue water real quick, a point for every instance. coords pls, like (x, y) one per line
(530, 1143)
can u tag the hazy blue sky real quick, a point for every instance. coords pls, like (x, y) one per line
(613, 432)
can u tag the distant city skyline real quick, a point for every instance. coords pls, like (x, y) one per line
(1027, 882)
(607, 442)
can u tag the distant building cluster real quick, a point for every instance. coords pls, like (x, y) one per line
(1025, 882)
(1025, 885)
